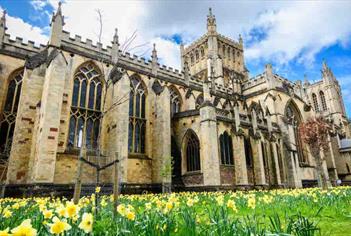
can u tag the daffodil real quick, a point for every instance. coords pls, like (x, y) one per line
(251, 202)
(7, 213)
(61, 211)
(71, 209)
(24, 229)
(148, 205)
(87, 223)
(97, 189)
(58, 226)
(16, 206)
(47, 214)
(231, 205)
(130, 215)
(5, 232)
(190, 202)
(121, 209)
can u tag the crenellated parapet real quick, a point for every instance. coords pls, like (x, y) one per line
(18, 47)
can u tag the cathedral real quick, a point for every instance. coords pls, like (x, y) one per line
(219, 128)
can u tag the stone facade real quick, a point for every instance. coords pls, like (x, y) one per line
(221, 128)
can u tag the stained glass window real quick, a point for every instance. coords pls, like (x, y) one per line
(8, 119)
(86, 106)
(137, 120)
(192, 152)
(226, 147)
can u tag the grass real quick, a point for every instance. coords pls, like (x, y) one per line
(301, 212)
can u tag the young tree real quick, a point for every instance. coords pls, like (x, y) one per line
(166, 174)
(314, 132)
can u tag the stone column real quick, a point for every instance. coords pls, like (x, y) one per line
(240, 161)
(258, 162)
(19, 161)
(161, 137)
(209, 145)
(276, 163)
(50, 113)
(121, 117)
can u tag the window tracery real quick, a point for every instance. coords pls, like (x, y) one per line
(137, 120)
(193, 152)
(226, 147)
(9, 114)
(86, 106)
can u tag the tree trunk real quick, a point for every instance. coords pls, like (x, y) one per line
(319, 168)
(115, 184)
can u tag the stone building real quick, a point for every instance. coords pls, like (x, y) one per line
(222, 128)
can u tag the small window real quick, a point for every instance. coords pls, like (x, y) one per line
(226, 147)
(315, 102)
(324, 104)
(248, 153)
(193, 152)
(175, 101)
(199, 101)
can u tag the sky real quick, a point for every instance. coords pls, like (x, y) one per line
(294, 36)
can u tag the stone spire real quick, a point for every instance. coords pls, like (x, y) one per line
(115, 47)
(269, 70)
(57, 23)
(186, 73)
(182, 56)
(2, 27)
(306, 83)
(327, 74)
(211, 22)
(241, 40)
(154, 60)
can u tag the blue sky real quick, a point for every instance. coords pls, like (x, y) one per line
(294, 36)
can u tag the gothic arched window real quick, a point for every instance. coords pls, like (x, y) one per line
(324, 104)
(137, 120)
(264, 155)
(248, 153)
(294, 118)
(175, 101)
(202, 52)
(86, 106)
(199, 101)
(8, 118)
(315, 102)
(197, 55)
(226, 146)
(192, 152)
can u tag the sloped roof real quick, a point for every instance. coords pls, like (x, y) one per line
(345, 145)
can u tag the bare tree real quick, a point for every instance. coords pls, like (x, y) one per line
(314, 132)
(126, 45)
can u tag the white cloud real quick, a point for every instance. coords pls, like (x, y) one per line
(168, 52)
(294, 30)
(38, 4)
(301, 30)
(18, 28)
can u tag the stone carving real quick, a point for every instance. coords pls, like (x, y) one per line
(157, 87)
(188, 93)
(116, 74)
(36, 60)
(41, 58)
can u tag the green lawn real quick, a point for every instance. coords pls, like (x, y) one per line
(302, 212)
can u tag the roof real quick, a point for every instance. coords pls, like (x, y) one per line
(345, 145)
